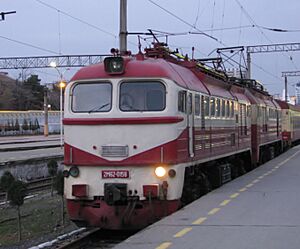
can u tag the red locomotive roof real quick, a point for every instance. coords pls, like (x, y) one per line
(282, 104)
(159, 68)
(285, 105)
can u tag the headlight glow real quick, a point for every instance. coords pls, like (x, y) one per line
(160, 171)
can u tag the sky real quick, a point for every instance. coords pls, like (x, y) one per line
(43, 27)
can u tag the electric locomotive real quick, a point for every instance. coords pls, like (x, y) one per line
(145, 133)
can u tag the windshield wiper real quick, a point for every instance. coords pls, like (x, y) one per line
(96, 109)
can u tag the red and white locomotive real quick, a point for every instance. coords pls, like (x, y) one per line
(144, 133)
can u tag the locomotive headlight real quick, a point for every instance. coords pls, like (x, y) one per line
(160, 171)
(74, 171)
(114, 65)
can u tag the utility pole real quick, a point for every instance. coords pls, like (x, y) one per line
(288, 74)
(285, 89)
(46, 127)
(123, 26)
(248, 72)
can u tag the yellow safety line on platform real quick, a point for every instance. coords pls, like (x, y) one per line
(213, 211)
(234, 195)
(164, 245)
(224, 203)
(199, 221)
(182, 232)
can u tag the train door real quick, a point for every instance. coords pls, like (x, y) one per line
(190, 123)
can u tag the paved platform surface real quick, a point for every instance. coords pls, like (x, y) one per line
(20, 148)
(27, 139)
(258, 210)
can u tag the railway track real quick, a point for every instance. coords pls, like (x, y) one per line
(32, 186)
(92, 239)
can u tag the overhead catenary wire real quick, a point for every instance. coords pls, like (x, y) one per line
(185, 22)
(29, 45)
(261, 28)
(77, 19)
(197, 17)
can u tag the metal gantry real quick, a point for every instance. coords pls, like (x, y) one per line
(284, 47)
(44, 61)
(271, 48)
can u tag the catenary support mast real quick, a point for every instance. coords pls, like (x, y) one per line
(123, 26)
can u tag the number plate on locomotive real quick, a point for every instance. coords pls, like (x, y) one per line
(108, 174)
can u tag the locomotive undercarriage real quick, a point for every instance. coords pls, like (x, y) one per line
(203, 178)
(269, 151)
(133, 214)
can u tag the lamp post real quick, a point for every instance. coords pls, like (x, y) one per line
(62, 85)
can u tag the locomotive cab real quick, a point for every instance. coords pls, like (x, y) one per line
(121, 134)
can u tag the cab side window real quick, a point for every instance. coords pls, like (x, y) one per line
(182, 101)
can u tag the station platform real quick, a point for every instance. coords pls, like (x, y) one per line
(258, 210)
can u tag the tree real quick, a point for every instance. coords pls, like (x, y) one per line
(59, 186)
(52, 170)
(37, 92)
(25, 126)
(6, 181)
(17, 125)
(16, 194)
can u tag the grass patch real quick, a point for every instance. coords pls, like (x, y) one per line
(40, 217)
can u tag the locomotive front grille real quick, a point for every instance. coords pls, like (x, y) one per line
(114, 151)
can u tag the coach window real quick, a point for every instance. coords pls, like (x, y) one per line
(232, 111)
(190, 104)
(91, 97)
(227, 109)
(212, 107)
(218, 107)
(223, 108)
(197, 105)
(206, 106)
(142, 96)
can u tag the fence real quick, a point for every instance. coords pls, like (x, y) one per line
(28, 122)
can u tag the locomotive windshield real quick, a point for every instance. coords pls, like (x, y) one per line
(142, 96)
(92, 97)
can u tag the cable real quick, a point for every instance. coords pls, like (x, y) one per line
(267, 72)
(261, 28)
(251, 20)
(223, 16)
(197, 17)
(29, 45)
(229, 28)
(213, 17)
(280, 30)
(77, 19)
(185, 22)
